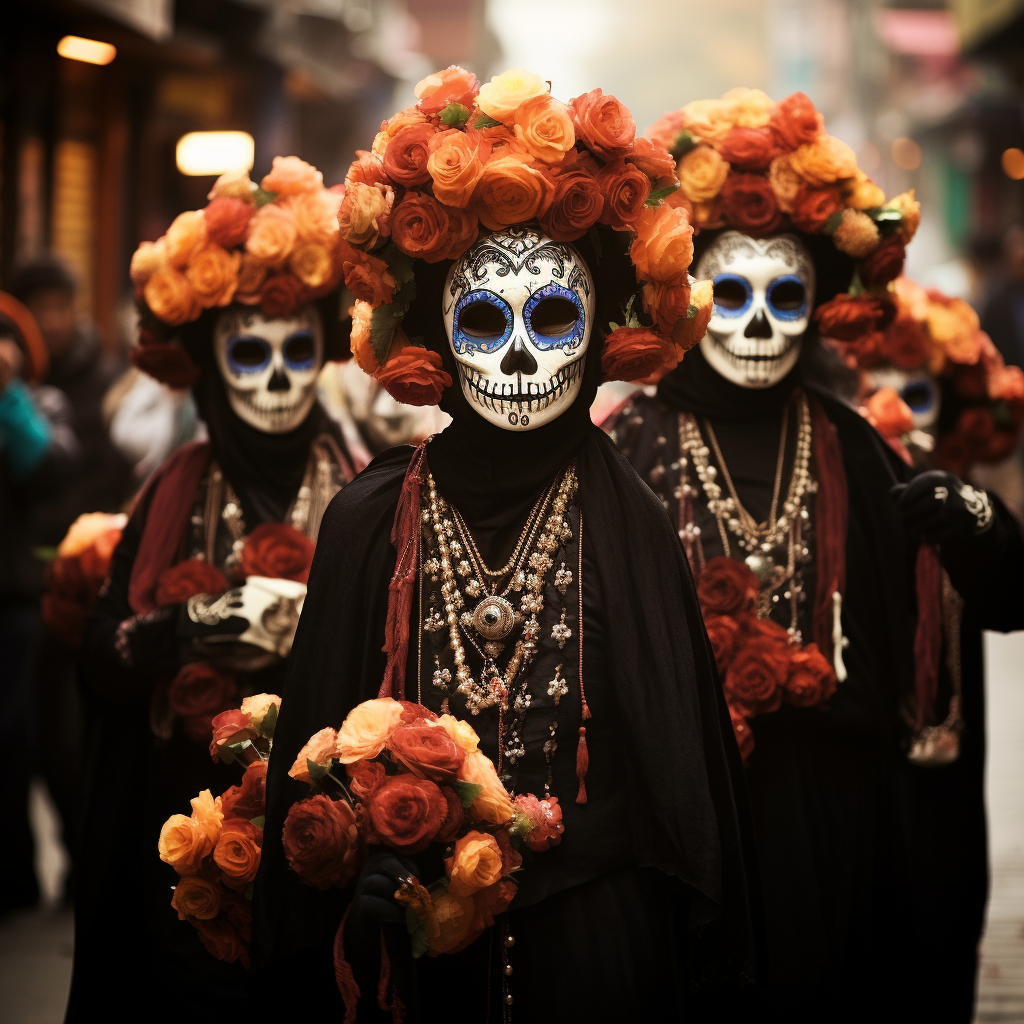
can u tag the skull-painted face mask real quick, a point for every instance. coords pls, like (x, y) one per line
(918, 388)
(764, 293)
(270, 366)
(518, 309)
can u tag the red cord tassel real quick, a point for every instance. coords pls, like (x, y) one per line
(343, 976)
(582, 764)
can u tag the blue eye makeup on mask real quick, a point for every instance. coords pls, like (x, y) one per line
(247, 353)
(787, 298)
(920, 395)
(555, 318)
(482, 323)
(299, 350)
(733, 295)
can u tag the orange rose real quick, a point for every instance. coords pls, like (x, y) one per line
(251, 275)
(453, 85)
(455, 167)
(625, 188)
(462, 733)
(666, 303)
(690, 329)
(186, 233)
(492, 804)
(364, 212)
(824, 161)
(206, 810)
(367, 169)
(862, 193)
(282, 294)
(475, 864)
(362, 350)
(196, 898)
(888, 413)
(366, 729)
(577, 203)
(170, 297)
(320, 749)
(272, 234)
(463, 231)
(748, 204)
(666, 130)
(544, 128)
(414, 376)
(702, 173)
(213, 274)
(954, 325)
(653, 159)
(603, 124)
(749, 149)
(367, 277)
(856, 234)
(146, 261)
(795, 121)
(290, 176)
(183, 844)
(419, 227)
(237, 854)
(227, 220)
(785, 182)
(663, 247)
(707, 216)
(87, 530)
(637, 354)
(312, 265)
(502, 95)
(405, 159)
(511, 191)
(454, 922)
(812, 207)
(316, 215)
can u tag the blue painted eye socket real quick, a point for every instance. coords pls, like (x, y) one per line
(920, 395)
(555, 318)
(248, 353)
(482, 323)
(787, 298)
(733, 295)
(299, 350)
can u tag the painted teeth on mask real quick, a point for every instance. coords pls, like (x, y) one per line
(533, 399)
(756, 365)
(276, 414)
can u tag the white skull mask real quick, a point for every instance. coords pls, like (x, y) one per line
(519, 309)
(918, 388)
(270, 365)
(764, 293)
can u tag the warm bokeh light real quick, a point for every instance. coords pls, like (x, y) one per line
(1013, 163)
(906, 154)
(91, 51)
(201, 153)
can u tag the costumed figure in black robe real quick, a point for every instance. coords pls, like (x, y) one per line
(208, 580)
(817, 596)
(538, 592)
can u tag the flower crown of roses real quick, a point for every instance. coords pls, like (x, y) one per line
(275, 246)
(469, 158)
(759, 166)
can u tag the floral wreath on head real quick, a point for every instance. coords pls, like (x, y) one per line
(759, 166)
(468, 158)
(942, 335)
(275, 247)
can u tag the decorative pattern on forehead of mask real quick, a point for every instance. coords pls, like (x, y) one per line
(732, 246)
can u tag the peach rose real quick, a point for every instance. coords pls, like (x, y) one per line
(171, 298)
(785, 182)
(708, 120)
(414, 376)
(251, 275)
(454, 922)
(258, 706)
(475, 864)
(824, 161)
(511, 191)
(690, 329)
(665, 304)
(653, 159)
(954, 325)
(603, 124)
(316, 215)
(397, 122)
(183, 844)
(405, 159)
(88, 529)
(367, 169)
(362, 350)
(795, 121)
(702, 173)
(663, 247)
(290, 176)
(492, 804)
(237, 854)
(272, 234)
(186, 233)
(462, 733)
(625, 188)
(213, 274)
(364, 213)
(910, 211)
(233, 185)
(544, 128)
(196, 898)
(366, 729)
(750, 108)
(227, 220)
(666, 130)
(453, 85)
(454, 166)
(146, 261)
(888, 413)
(312, 264)
(862, 193)
(207, 811)
(320, 748)
(707, 216)
(637, 354)
(366, 276)
(856, 235)
(502, 95)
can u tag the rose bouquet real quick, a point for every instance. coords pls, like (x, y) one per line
(78, 571)
(398, 776)
(216, 849)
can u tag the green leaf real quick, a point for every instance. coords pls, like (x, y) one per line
(467, 792)
(248, 892)
(317, 772)
(417, 933)
(229, 752)
(612, 325)
(1001, 415)
(683, 144)
(455, 115)
(261, 197)
(386, 317)
(399, 263)
(269, 722)
(856, 285)
(655, 198)
(692, 311)
(483, 121)
(260, 821)
(885, 214)
(833, 222)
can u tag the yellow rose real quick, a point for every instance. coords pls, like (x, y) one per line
(462, 733)
(213, 273)
(272, 234)
(362, 211)
(186, 233)
(234, 185)
(257, 706)
(856, 235)
(207, 813)
(170, 297)
(824, 161)
(493, 804)
(320, 749)
(750, 108)
(367, 728)
(785, 182)
(380, 144)
(183, 844)
(312, 265)
(702, 173)
(146, 261)
(862, 193)
(475, 864)
(708, 120)
(910, 209)
(501, 96)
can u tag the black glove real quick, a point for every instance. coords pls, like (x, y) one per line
(374, 897)
(941, 507)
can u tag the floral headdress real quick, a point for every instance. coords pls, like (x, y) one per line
(758, 166)
(468, 158)
(275, 246)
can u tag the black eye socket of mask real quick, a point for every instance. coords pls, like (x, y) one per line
(554, 317)
(482, 320)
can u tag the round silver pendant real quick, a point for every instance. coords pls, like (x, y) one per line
(762, 566)
(493, 618)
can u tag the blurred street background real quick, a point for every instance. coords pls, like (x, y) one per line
(930, 94)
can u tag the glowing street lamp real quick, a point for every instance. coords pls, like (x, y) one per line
(91, 51)
(204, 153)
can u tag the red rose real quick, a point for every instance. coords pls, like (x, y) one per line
(66, 576)
(754, 680)
(811, 679)
(454, 817)
(222, 940)
(723, 632)
(321, 842)
(666, 304)
(726, 587)
(906, 343)
(200, 689)
(463, 231)
(186, 579)
(795, 121)
(230, 727)
(885, 263)
(281, 295)
(637, 354)
(976, 424)
(998, 447)
(427, 751)
(749, 204)
(971, 382)
(953, 453)
(487, 904)
(406, 813)
(603, 124)
(748, 149)
(367, 277)
(625, 188)
(64, 617)
(238, 911)
(405, 159)
(414, 376)
(166, 362)
(742, 731)
(812, 207)
(364, 777)
(576, 204)
(849, 317)
(278, 550)
(753, 628)
(419, 227)
(413, 712)
(249, 800)
(654, 160)
(226, 220)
